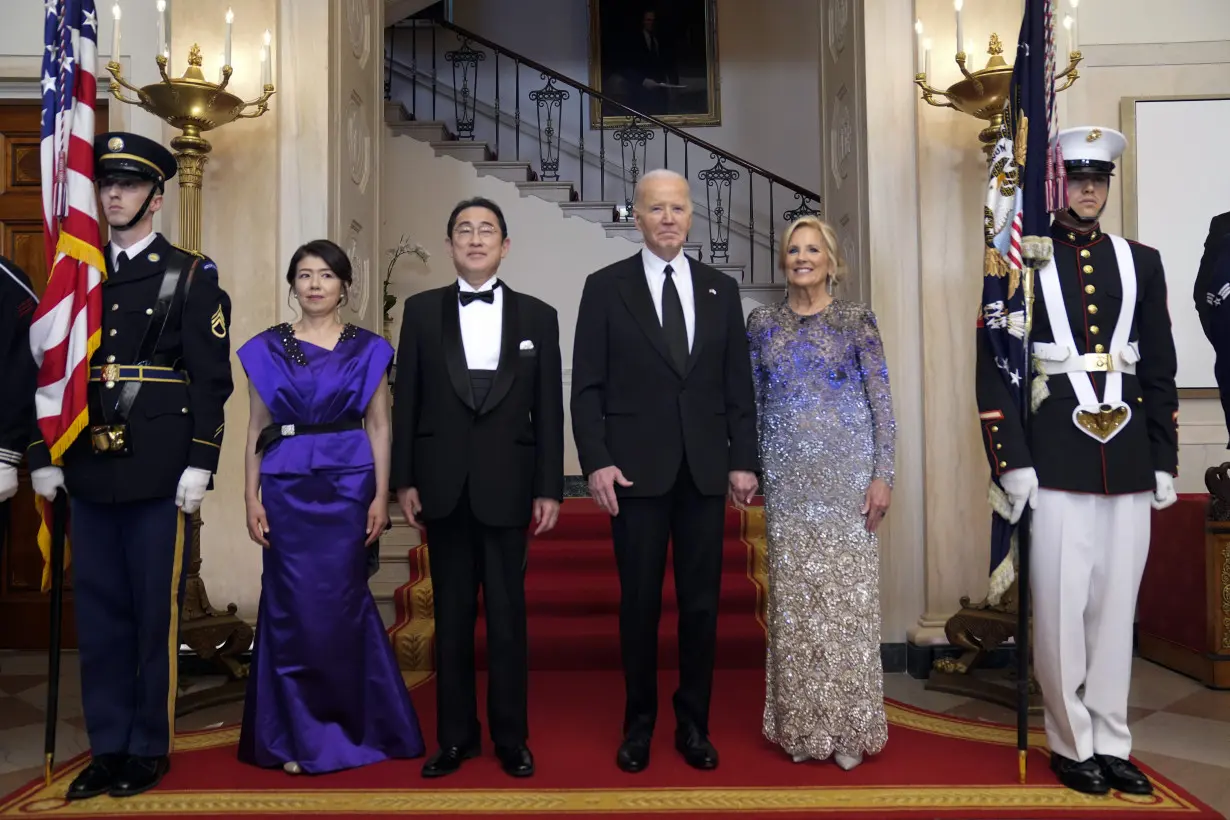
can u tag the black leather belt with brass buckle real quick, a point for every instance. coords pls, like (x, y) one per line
(109, 374)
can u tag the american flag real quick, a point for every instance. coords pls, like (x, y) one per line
(1022, 190)
(67, 325)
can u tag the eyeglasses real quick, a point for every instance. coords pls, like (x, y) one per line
(467, 231)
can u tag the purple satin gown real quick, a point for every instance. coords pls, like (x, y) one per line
(324, 688)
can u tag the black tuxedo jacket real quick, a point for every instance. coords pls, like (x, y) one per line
(1219, 227)
(633, 409)
(511, 449)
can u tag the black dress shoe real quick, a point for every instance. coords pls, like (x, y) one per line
(98, 777)
(448, 760)
(696, 749)
(1084, 776)
(1123, 775)
(633, 754)
(140, 774)
(515, 760)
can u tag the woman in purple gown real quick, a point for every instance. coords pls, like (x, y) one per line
(324, 692)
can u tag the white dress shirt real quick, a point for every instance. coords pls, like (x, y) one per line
(681, 272)
(134, 250)
(481, 326)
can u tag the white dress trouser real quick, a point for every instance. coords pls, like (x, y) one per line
(1088, 555)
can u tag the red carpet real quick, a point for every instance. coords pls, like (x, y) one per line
(934, 766)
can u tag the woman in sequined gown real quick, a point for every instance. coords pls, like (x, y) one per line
(827, 440)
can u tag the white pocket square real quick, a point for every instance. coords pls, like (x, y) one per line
(526, 344)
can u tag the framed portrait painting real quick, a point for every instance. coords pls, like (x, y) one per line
(657, 59)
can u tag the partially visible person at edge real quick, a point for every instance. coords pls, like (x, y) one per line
(157, 386)
(827, 439)
(324, 691)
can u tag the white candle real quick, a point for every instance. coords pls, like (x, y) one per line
(230, 21)
(115, 33)
(267, 60)
(957, 4)
(918, 36)
(1070, 25)
(1073, 40)
(927, 58)
(162, 26)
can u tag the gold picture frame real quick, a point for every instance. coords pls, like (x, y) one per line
(673, 40)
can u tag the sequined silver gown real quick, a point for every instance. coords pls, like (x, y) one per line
(826, 431)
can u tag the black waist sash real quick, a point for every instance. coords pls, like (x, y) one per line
(480, 385)
(276, 432)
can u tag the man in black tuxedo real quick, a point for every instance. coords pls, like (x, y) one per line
(664, 418)
(478, 450)
(1219, 229)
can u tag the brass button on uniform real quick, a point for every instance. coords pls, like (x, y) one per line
(999, 446)
(110, 360)
(1088, 269)
(113, 332)
(1094, 330)
(995, 429)
(149, 311)
(1071, 237)
(1085, 254)
(1099, 349)
(1089, 288)
(183, 409)
(115, 307)
(1093, 309)
(1140, 399)
(1003, 464)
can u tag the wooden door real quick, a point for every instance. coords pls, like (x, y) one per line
(24, 610)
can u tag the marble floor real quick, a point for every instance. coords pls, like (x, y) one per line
(1179, 727)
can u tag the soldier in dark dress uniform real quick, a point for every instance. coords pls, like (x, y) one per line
(1213, 303)
(17, 376)
(1099, 449)
(158, 383)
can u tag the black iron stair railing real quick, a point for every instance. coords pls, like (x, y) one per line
(633, 137)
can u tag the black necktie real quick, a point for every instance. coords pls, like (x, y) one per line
(488, 296)
(121, 261)
(673, 326)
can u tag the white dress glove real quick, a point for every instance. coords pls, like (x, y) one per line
(1164, 495)
(8, 482)
(191, 490)
(1021, 485)
(46, 481)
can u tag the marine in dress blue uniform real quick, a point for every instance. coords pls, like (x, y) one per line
(158, 383)
(1099, 448)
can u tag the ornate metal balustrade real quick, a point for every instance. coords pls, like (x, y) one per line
(732, 185)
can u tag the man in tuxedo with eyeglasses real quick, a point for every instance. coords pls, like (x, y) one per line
(478, 455)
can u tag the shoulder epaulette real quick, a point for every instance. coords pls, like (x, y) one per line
(197, 254)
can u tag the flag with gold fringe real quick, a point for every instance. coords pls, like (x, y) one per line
(67, 325)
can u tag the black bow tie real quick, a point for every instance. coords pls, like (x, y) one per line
(467, 296)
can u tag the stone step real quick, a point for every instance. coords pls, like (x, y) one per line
(507, 171)
(592, 211)
(432, 131)
(550, 191)
(733, 271)
(395, 112)
(465, 150)
(623, 230)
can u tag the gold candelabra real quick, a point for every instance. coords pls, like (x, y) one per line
(982, 93)
(194, 105)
